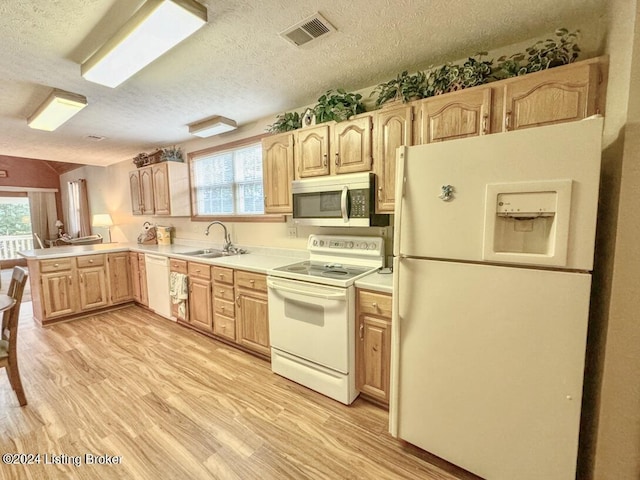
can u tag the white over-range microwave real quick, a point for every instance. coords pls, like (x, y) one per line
(337, 201)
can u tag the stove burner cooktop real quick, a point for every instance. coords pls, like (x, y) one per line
(330, 270)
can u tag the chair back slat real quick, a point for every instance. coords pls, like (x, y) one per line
(10, 317)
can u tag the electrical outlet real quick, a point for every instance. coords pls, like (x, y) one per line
(292, 232)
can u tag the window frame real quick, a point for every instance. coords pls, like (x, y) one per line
(193, 156)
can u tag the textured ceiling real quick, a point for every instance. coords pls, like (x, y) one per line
(237, 65)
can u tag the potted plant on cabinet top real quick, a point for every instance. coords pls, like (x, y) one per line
(338, 106)
(403, 88)
(285, 123)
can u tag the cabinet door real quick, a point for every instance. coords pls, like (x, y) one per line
(351, 144)
(58, 291)
(465, 113)
(135, 276)
(200, 308)
(393, 129)
(146, 191)
(373, 357)
(119, 277)
(142, 268)
(136, 193)
(161, 198)
(552, 96)
(312, 152)
(93, 287)
(277, 165)
(252, 322)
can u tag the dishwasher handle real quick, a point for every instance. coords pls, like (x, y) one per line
(328, 296)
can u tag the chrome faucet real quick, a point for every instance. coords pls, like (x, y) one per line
(227, 238)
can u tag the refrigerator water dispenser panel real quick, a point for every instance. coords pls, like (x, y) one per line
(528, 222)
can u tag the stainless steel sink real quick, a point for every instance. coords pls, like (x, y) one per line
(210, 253)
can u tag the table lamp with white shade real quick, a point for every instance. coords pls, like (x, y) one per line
(103, 220)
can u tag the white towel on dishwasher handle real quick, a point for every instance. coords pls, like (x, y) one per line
(179, 292)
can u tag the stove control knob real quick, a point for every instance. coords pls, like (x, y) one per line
(372, 246)
(349, 244)
(322, 243)
(315, 243)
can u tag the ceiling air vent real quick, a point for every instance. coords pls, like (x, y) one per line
(308, 30)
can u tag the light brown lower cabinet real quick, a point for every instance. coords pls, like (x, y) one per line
(252, 312)
(64, 287)
(92, 283)
(224, 312)
(200, 296)
(119, 270)
(139, 278)
(373, 345)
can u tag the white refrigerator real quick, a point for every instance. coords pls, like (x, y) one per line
(493, 248)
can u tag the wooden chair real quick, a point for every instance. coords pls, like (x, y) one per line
(9, 339)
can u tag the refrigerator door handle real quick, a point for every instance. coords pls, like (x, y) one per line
(400, 183)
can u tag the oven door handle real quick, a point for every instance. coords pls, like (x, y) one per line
(327, 296)
(344, 210)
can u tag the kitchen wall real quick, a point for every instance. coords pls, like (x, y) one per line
(615, 329)
(27, 172)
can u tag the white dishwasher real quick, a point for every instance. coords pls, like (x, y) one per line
(158, 284)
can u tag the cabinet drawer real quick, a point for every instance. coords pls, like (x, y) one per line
(223, 275)
(224, 292)
(252, 281)
(90, 261)
(225, 327)
(224, 307)
(55, 265)
(374, 303)
(199, 270)
(179, 266)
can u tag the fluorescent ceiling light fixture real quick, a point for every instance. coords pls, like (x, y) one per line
(157, 27)
(212, 126)
(59, 107)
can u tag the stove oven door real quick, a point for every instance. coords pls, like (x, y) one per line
(311, 321)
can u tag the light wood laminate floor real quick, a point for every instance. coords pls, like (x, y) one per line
(176, 405)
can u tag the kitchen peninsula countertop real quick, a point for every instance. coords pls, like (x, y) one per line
(255, 262)
(258, 262)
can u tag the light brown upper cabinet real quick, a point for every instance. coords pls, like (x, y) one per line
(562, 94)
(160, 189)
(351, 145)
(277, 167)
(393, 128)
(334, 148)
(465, 113)
(312, 151)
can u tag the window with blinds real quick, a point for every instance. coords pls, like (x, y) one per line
(228, 182)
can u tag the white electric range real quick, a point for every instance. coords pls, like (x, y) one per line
(312, 313)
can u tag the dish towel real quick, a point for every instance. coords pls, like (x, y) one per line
(179, 292)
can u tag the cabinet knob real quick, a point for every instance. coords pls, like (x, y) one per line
(221, 292)
(374, 305)
(337, 159)
(55, 265)
(90, 261)
(507, 121)
(252, 282)
(198, 271)
(222, 308)
(238, 301)
(362, 331)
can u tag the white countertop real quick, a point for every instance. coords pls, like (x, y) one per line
(379, 282)
(258, 262)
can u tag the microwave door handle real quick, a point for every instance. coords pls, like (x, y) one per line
(343, 204)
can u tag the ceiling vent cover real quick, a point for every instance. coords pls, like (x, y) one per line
(308, 30)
